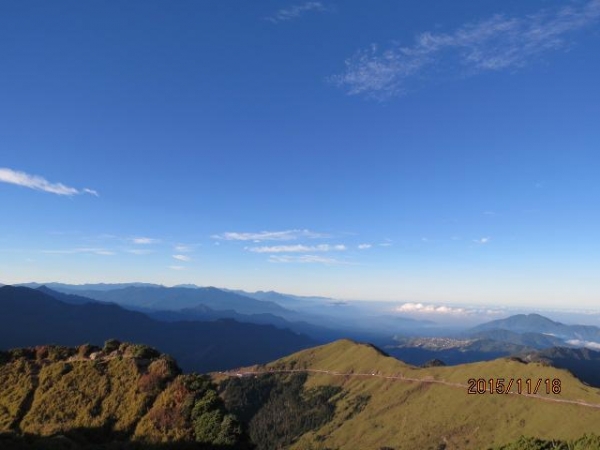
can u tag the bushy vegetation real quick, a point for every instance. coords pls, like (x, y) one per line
(279, 409)
(123, 396)
(586, 442)
(190, 410)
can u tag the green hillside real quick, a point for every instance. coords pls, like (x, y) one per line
(122, 396)
(380, 402)
(343, 395)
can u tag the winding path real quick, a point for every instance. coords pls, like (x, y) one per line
(426, 380)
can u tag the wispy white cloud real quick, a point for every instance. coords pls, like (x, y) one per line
(296, 11)
(40, 184)
(182, 248)
(139, 251)
(297, 248)
(386, 243)
(177, 267)
(494, 44)
(364, 246)
(483, 240)
(286, 235)
(95, 251)
(144, 241)
(91, 192)
(422, 308)
(581, 343)
(182, 258)
(305, 259)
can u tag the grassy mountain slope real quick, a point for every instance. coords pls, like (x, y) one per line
(117, 394)
(430, 407)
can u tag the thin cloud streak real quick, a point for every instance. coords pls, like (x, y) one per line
(184, 258)
(296, 11)
(305, 259)
(139, 251)
(422, 308)
(297, 248)
(95, 251)
(286, 235)
(495, 44)
(144, 241)
(40, 184)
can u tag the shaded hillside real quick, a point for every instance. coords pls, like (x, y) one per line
(581, 362)
(29, 317)
(586, 442)
(125, 394)
(65, 298)
(380, 402)
(204, 313)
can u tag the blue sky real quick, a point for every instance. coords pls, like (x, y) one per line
(413, 151)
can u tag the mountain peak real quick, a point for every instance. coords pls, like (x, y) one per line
(344, 356)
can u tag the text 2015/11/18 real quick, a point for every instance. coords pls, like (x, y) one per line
(521, 385)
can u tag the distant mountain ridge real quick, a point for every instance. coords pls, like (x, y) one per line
(86, 286)
(536, 323)
(321, 317)
(66, 298)
(582, 362)
(176, 298)
(31, 317)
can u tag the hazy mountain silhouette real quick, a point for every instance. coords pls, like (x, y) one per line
(535, 340)
(30, 317)
(536, 323)
(66, 298)
(87, 286)
(204, 313)
(176, 298)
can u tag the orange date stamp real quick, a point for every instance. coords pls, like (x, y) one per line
(514, 386)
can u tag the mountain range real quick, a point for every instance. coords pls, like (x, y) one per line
(532, 335)
(323, 318)
(31, 317)
(536, 323)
